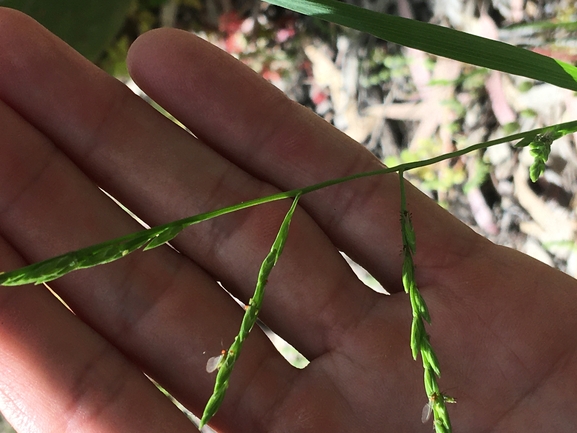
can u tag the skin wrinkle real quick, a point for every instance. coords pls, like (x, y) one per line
(82, 381)
(256, 382)
(127, 324)
(114, 124)
(268, 139)
(55, 162)
(123, 328)
(338, 332)
(47, 161)
(264, 133)
(490, 324)
(24, 64)
(310, 418)
(187, 86)
(117, 103)
(219, 251)
(86, 406)
(476, 248)
(275, 416)
(14, 413)
(245, 280)
(360, 164)
(283, 131)
(352, 413)
(348, 205)
(349, 351)
(11, 399)
(240, 388)
(515, 405)
(148, 253)
(6, 208)
(211, 225)
(439, 299)
(529, 393)
(509, 351)
(340, 350)
(83, 389)
(333, 322)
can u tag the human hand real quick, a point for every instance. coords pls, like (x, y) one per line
(502, 323)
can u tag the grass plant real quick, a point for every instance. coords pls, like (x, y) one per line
(430, 38)
(109, 251)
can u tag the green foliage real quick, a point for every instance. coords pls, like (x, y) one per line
(384, 67)
(138, 19)
(480, 173)
(471, 79)
(429, 177)
(540, 148)
(114, 61)
(441, 41)
(149, 4)
(89, 26)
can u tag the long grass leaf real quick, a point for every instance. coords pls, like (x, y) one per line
(441, 41)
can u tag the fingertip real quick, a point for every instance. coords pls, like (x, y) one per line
(140, 46)
(149, 49)
(167, 62)
(16, 28)
(7, 15)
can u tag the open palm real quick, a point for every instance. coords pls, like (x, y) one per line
(503, 324)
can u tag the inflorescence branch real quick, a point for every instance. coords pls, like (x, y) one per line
(539, 141)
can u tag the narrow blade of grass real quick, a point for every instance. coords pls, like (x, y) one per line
(441, 41)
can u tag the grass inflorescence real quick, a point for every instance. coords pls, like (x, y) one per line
(540, 148)
(420, 343)
(251, 312)
(441, 41)
(115, 249)
(109, 251)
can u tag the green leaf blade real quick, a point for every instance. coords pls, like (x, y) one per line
(441, 41)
